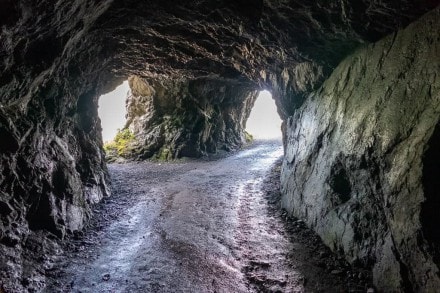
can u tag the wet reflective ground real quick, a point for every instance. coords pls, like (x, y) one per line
(193, 226)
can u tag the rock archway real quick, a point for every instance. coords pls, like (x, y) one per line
(187, 118)
(57, 58)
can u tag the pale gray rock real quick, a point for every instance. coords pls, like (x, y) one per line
(361, 156)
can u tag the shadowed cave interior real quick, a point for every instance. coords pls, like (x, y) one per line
(355, 83)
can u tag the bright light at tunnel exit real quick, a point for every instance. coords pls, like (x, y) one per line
(264, 121)
(111, 110)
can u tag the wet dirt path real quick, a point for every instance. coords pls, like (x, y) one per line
(194, 226)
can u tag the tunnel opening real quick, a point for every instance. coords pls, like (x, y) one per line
(112, 111)
(165, 119)
(430, 216)
(264, 121)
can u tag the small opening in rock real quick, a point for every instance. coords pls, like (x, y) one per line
(264, 121)
(112, 111)
(340, 184)
(430, 214)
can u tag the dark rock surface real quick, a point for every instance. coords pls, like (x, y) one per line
(57, 58)
(361, 157)
(286, 46)
(51, 159)
(187, 118)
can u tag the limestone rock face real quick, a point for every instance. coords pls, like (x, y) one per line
(362, 154)
(187, 118)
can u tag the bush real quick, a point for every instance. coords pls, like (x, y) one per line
(120, 144)
(248, 137)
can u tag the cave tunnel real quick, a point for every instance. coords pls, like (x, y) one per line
(356, 85)
(263, 121)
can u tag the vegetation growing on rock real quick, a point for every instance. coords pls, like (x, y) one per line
(248, 137)
(121, 144)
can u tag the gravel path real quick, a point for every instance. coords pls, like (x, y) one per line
(200, 226)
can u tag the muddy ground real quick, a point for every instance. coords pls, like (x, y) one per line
(211, 225)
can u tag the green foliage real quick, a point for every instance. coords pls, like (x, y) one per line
(120, 144)
(249, 137)
(164, 155)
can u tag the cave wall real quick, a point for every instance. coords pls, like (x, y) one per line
(289, 47)
(51, 160)
(187, 118)
(361, 155)
(58, 57)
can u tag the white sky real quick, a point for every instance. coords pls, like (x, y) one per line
(264, 121)
(112, 111)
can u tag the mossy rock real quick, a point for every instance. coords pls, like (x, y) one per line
(248, 137)
(164, 155)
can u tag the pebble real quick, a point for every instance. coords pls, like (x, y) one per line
(106, 277)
